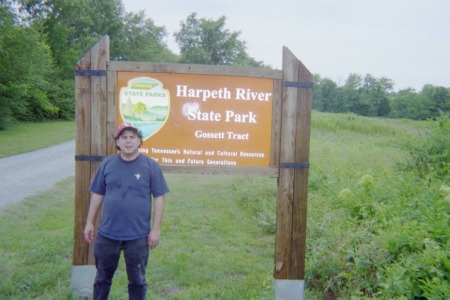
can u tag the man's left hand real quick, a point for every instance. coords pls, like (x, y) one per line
(153, 238)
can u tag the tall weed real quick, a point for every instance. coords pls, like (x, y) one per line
(430, 157)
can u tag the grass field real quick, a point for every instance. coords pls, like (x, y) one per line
(374, 230)
(26, 137)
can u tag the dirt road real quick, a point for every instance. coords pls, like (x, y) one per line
(27, 174)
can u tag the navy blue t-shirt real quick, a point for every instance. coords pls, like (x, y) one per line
(128, 187)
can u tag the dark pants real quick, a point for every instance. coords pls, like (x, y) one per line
(107, 254)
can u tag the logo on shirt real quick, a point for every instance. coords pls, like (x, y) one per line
(137, 176)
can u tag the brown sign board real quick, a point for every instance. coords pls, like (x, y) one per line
(199, 120)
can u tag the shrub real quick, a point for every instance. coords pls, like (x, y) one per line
(430, 158)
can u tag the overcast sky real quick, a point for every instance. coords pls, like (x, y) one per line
(407, 41)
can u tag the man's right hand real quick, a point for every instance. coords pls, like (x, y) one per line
(94, 206)
(89, 233)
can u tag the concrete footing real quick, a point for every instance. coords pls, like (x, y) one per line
(289, 289)
(82, 280)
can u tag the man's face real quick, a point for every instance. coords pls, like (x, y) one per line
(128, 142)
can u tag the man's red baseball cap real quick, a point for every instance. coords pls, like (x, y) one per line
(125, 125)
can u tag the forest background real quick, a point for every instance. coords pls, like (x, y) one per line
(379, 196)
(41, 41)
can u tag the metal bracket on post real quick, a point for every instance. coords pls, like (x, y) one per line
(300, 165)
(89, 72)
(89, 157)
(298, 84)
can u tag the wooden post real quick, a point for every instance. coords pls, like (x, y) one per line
(91, 146)
(293, 177)
(91, 103)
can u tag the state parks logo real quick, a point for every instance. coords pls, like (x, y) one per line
(146, 104)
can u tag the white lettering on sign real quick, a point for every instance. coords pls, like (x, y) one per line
(221, 162)
(143, 150)
(227, 153)
(249, 95)
(250, 154)
(200, 134)
(237, 136)
(166, 151)
(222, 94)
(185, 91)
(230, 116)
(209, 135)
(192, 152)
(204, 116)
(195, 161)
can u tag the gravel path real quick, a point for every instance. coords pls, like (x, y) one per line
(29, 173)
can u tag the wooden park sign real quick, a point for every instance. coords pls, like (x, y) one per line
(197, 120)
(202, 119)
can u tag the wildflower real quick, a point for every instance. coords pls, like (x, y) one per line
(345, 193)
(445, 191)
(366, 182)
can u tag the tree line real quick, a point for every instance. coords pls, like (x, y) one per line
(41, 41)
(375, 97)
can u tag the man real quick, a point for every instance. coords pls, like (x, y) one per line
(124, 186)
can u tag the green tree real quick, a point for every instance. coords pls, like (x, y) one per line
(69, 35)
(141, 40)
(374, 96)
(368, 96)
(25, 76)
(351, 94)
(205, 41)
(72, 27)
(438, 97)
(408, 104)
(326, 95)
(6, 29)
